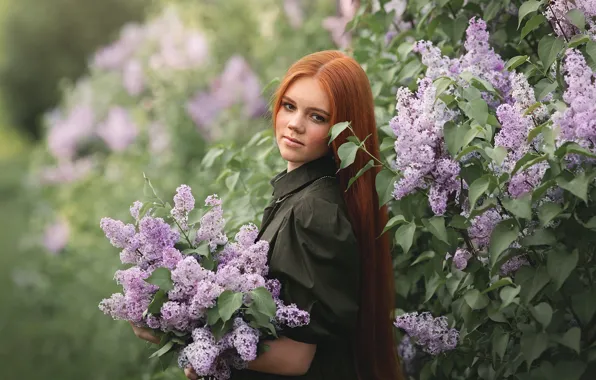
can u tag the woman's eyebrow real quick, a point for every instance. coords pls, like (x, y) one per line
(288, 99)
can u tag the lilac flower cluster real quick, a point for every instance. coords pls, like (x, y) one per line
(556, 11)
(578, 121)
(480, 60)
(460, 258)
(420, 146)
(237, 84)
(512, 265)
(432, 334)
(241, 267)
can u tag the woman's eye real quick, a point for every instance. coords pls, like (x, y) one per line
(318, 118)
(288, 106)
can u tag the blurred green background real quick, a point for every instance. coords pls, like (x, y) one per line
(221, 54)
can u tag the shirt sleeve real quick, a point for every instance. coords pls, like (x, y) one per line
(316, 260)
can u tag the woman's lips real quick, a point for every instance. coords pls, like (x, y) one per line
(292, 142)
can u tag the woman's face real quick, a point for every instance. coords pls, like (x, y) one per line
(302, 123)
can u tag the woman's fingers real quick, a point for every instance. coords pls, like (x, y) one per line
(190, 373)
(144, 334)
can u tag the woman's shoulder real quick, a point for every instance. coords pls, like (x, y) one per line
(324, 192)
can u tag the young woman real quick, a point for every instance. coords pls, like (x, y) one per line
(324, 241)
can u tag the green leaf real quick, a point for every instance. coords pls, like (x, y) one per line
(228, 303)
(398, 219)
(500, 340)
(508, 294)
(504, 233)
(210, 157)
(163, 350)
(476, 300)
(548, 49)
(560, 264)
(477, 189)
(543, 88)
(213, 316)
(497, 154)
(539, 237)
(424, 256)
(404, 236)
(584, 306)
(576, 185)
(577, 40)
(366, 167)
(385, 183)
(520, 207)
(347, 154)
(533, 345)
(195, 216)
(573, 148)
(263, 301)
(569, 370)
(543, 313)
(388, 143)
(477, 109)
(591, 49)
(337, 129)
(515, 62)
(161, 277)
(436, 226)
(159, 298)
(532, 24)
(535, 132)
(432, 285)
(441, 84)
(548, 211)
(498, 284)
(570, 339)
(577, 18)
(454, 135)
(534, 284)
(528, 160)
(527, 8)
(492, 10)
(460, 222)
(232, 180)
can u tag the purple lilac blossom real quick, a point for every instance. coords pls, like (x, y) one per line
(512, 265)
(133, 77)
(291, 315)
(578, 121)
(175, 315)
(56, 236)
(556, 12)
(118, 131)
(482, 227)
(212, 224)
(65, 134)
(245, 340)
(336, 25)
(66, 171)
(432, 334)
(524, 182)
(407, 352)
(135, 209)
(184, 203)
(202, 352)
(155, 236)
(460, 258)
(420, 147)
(480, 60)
(294, 12)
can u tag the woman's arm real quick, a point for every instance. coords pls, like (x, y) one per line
(284, 357)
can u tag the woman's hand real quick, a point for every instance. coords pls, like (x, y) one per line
(145, 334)
(190, 373)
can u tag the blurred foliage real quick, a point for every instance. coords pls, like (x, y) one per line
(44, 42)
(53, 293)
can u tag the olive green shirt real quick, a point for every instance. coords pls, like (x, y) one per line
(313, 253)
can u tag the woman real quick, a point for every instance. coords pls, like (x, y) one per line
(324, 241)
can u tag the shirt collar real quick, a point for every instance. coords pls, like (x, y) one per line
(285, 183)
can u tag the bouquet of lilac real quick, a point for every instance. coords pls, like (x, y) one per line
(207, 297)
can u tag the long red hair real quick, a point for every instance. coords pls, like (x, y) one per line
(348, 89)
